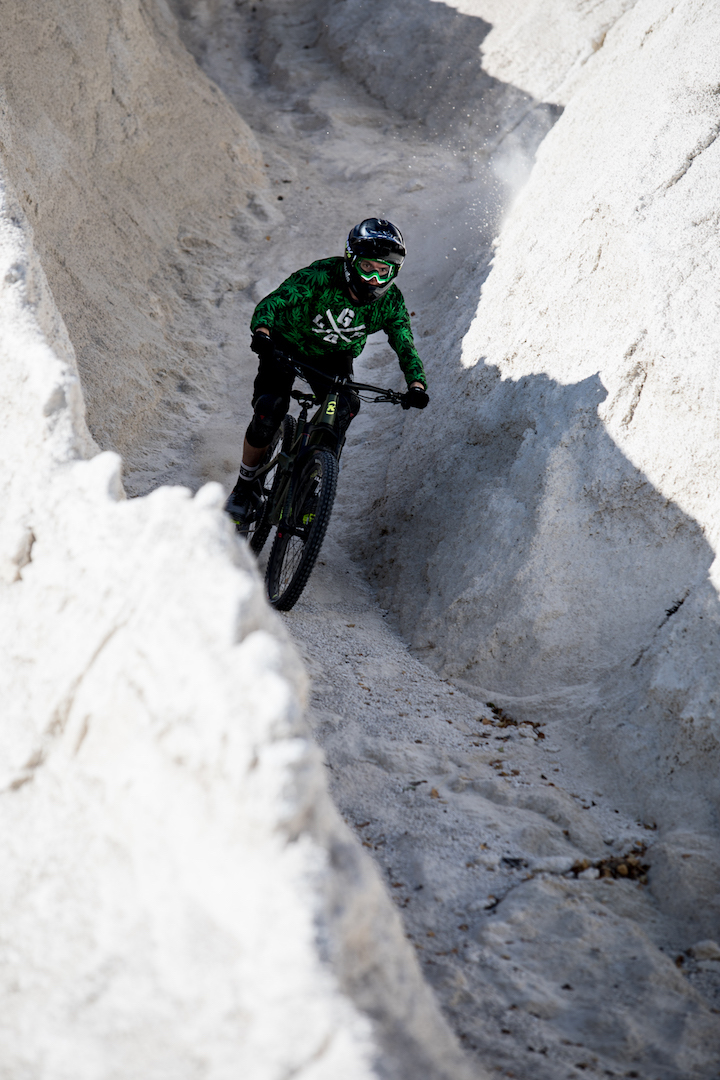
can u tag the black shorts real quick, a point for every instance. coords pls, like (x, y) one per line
(271, 379)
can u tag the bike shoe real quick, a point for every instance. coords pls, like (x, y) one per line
(244, 503)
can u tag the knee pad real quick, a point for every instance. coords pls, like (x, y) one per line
(269, 411)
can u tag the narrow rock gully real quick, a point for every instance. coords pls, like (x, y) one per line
(522, 888)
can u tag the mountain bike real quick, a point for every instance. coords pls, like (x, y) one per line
(299, 479)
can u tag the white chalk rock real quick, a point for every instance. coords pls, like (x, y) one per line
(705, 950)
(178, 896)
(568, 531)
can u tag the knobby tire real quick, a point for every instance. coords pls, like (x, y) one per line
(300, 534)
(259, 530)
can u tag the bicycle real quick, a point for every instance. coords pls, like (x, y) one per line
(299, 480)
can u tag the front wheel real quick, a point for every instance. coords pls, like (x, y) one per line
(302, 529)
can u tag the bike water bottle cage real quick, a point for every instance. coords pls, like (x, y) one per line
(375, 270)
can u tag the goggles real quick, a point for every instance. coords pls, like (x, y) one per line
(375, 270)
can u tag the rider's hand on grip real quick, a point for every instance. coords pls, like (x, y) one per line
(416, 398)
(262, 344)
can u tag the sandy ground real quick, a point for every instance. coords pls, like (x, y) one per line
(503, 855)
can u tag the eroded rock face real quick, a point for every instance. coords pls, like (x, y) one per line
(569, 530)
(178, 896)
(136, 176)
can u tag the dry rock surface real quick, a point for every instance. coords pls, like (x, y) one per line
(509, 646)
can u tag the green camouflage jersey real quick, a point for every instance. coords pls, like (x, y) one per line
(313, 311)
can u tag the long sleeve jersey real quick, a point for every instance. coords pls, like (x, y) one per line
(313, 311)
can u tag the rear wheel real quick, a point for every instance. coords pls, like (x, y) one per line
(302, 529)
(259, 530)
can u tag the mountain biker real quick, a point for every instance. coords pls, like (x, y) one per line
(322, 315)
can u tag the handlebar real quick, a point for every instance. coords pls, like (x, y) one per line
(300, 368)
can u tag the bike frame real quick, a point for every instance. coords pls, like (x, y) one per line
(316, 432)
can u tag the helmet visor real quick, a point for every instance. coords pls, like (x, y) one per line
(375, 270)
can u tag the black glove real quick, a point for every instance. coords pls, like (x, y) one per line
(262, 344)
(416, 398)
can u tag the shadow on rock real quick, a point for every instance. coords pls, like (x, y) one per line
(528, 560)
(436, 75)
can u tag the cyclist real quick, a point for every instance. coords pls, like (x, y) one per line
(322, 315)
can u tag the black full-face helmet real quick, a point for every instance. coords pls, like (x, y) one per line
(377, 242)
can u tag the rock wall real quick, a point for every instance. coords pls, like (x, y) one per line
(178, 895)
(567, 532)
(138, 179)
(483, 72)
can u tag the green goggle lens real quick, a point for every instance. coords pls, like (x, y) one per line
(380, 271)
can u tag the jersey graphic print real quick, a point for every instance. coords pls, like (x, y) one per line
(340, 328)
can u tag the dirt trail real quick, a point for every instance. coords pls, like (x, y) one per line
(496, 844)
